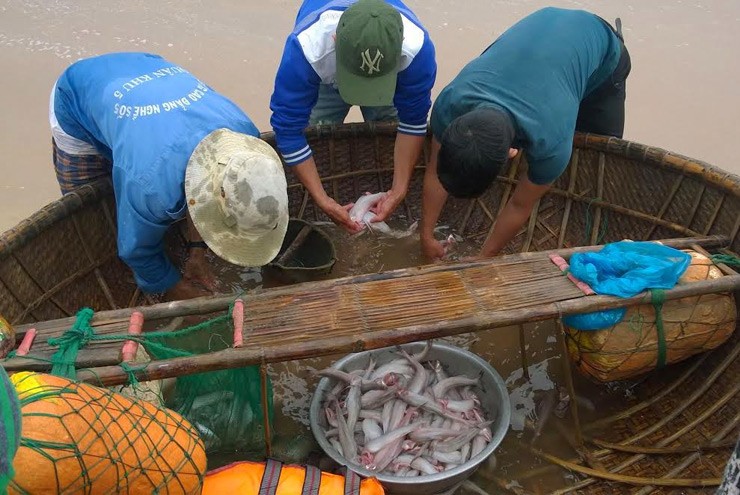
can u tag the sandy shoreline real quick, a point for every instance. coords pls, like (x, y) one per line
(682, 94)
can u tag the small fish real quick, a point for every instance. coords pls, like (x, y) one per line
(368, 414)
(452, 457)
(479, 443)
(417, 400)
(425, 466)
(457, 443)
(427, 434)
(374, 445)
(208, 436)
(544, 410)
(360, 213)
(376, 398)
(443, 386)
(371, 429)
(346, 438)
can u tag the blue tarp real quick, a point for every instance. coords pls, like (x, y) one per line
(624, 269)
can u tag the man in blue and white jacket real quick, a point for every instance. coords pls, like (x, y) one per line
(370, 53)
(175, 149)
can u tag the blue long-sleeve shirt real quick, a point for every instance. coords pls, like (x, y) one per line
(146, 115)
(539, 71)
(309, 60)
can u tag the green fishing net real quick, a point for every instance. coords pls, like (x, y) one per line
(224, 406)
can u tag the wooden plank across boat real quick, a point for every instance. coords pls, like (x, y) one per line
(364, 312)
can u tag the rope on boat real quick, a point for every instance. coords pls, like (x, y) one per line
(726, 259)
(82, 333)
(657, 298)
(234, 406)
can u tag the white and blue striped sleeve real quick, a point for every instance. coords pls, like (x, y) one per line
(413, 97)
(295, 94)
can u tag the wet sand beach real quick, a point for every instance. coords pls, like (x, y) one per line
(682, 93)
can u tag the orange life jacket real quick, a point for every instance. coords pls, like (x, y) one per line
(275, 478)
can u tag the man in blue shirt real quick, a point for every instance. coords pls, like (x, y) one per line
(371, 53)
(174, 148)
(554, 72)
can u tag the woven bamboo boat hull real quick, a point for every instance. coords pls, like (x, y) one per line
(64, 257)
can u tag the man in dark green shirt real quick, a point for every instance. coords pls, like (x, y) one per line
(554, 72)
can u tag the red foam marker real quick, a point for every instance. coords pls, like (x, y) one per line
(238, 316)
(563, 265)
(26, 343)
(128, 351)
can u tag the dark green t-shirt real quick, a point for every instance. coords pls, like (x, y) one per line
(539, 70)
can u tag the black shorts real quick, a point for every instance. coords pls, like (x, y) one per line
(602, 111)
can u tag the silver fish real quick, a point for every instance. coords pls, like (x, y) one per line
(544, 410)
(360, 213)
(419, 381)
(371, 429)
(346, 438)
(368, 414)
(353, 403)
(427, 434)
(376, 398)
(443, 386)
(448, 458)
(457, 443)
(374, 445)
(425, 466)
(479, 443)
(459, 406)
(398, 367)
(420, 401)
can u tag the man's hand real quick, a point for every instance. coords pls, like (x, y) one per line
(198, 271)
(387, 205)
(340, 215)
(432, 249)
(514, 216)
(184, 289)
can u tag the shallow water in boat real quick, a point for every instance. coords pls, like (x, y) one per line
(295, 381)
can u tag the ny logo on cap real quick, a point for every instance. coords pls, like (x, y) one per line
(373, 64)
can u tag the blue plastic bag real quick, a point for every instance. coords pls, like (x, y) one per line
(624, 269)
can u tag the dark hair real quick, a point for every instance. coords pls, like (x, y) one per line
(473, 149)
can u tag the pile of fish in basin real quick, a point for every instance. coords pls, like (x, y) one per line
(420, 417)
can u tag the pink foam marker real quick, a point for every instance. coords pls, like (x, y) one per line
(128, 351)
(563, 265)
(238, 316)
(26, 343)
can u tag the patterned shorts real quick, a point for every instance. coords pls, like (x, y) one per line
(77, 170)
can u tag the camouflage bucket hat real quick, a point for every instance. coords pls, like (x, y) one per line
(237, 196)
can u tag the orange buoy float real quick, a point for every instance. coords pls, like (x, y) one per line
(78, 438)
(275, 478)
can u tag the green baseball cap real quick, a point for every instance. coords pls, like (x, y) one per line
(368, 49)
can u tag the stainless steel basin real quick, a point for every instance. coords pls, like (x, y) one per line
(494, 400)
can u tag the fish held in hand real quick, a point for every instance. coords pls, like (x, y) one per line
(360, 213)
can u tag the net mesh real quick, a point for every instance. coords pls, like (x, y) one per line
(224, 406)
(78, 438)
